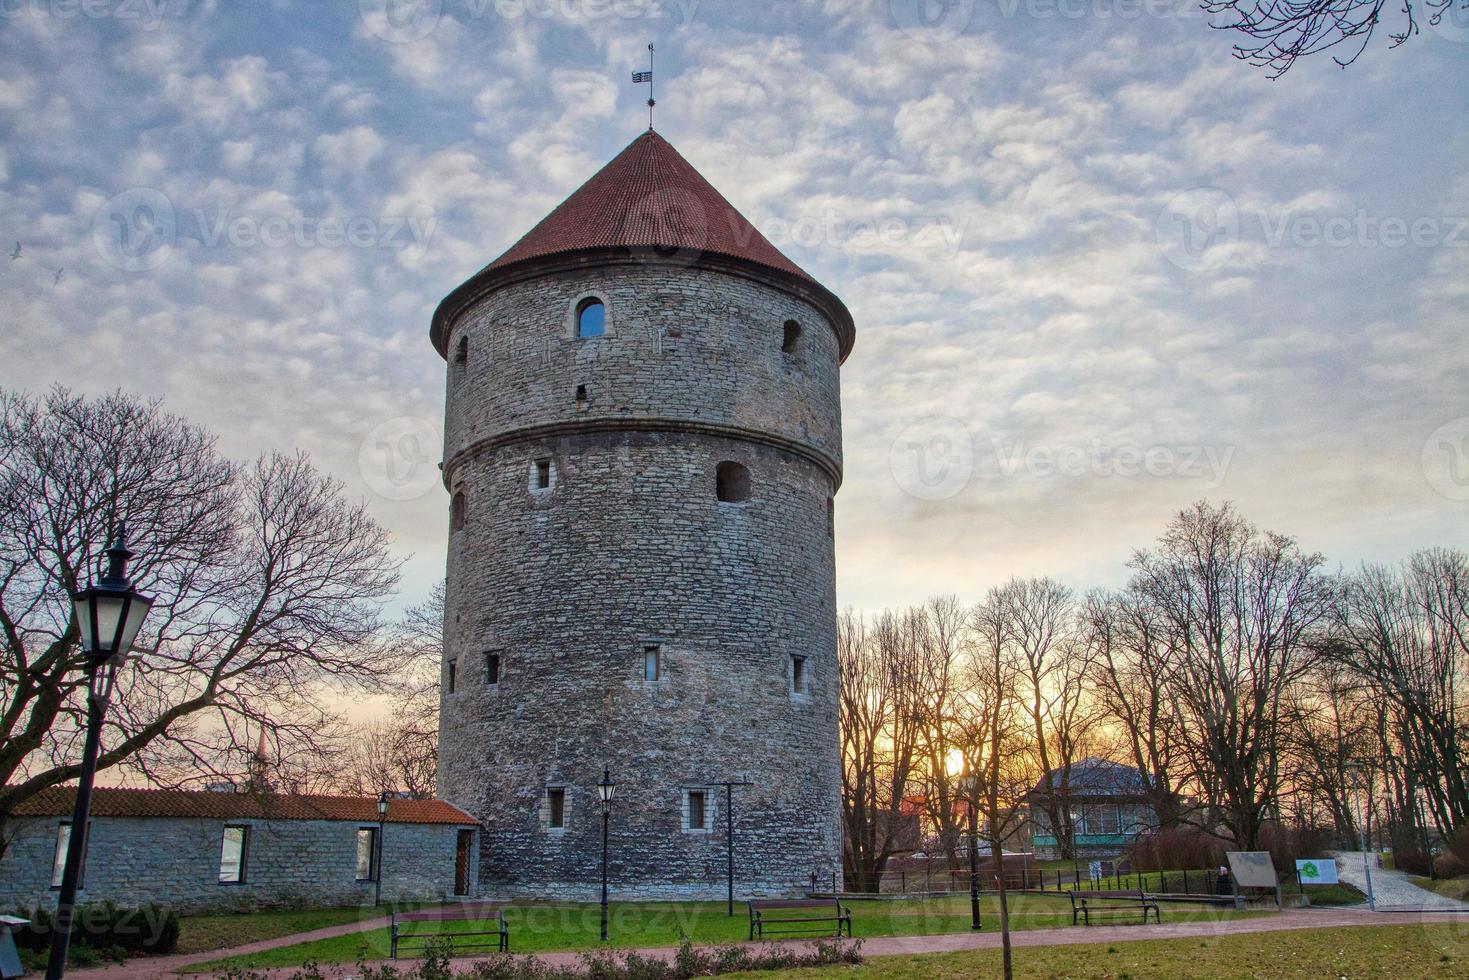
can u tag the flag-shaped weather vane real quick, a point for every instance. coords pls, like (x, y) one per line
(639, 77)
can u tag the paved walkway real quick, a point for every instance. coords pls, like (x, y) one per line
(1392, 889)
(989, 938)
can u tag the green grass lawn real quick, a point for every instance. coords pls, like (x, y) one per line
(1407, 952)
(545, 927)
(201, 933)
(1338, 894)
(1457, 888)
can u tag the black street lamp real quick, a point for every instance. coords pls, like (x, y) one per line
(729, 786)
(109, 615)
(382, 820)
(605, 789)
(973, 854)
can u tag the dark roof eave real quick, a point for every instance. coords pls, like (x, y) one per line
(492, 278)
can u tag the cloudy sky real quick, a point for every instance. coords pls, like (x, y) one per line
(1099, 268)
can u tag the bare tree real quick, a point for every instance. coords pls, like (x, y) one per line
(269, 587)
(1406, 633)
(1053, 666)
(879, 691)
(398, 752)
(937, 628)
(996, 739)
(1240, 606)
(1279, 33)
(1132, 655)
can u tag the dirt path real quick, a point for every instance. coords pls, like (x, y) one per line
(885, 946)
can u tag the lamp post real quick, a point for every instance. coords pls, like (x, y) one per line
(1354, 774)
(109, 615)
(729, 786)
(974, 855)
(605, 789)
(382, 821)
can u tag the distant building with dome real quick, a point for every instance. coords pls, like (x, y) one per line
(642, 450)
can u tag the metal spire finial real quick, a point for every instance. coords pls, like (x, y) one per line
(639, 77)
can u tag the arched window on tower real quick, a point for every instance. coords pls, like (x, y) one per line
(591, 318)
(458, 511)
(791, 340)
(731, 482)
(461, 354)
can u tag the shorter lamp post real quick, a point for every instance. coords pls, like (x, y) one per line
(1354, 774)
(605, 789)
(382, 822)
(974, 865)
(109, 615)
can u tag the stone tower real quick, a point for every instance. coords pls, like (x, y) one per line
(642, 445)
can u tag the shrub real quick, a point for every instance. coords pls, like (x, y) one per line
(1412, 860)
(1173, 849)
(1450, 865)
(151, 930)
(604, 964)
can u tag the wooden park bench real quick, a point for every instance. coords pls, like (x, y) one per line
(1084, 905)
(799, 914)
(484, 926)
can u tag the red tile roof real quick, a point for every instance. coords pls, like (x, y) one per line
(118, 802)
(648, 200)
(649, 196)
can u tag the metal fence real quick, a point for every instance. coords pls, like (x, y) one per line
(940, 880)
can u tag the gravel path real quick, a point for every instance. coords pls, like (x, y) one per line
(1392, 888)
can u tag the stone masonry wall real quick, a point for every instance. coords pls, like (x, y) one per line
(175, 861)
(630, 547)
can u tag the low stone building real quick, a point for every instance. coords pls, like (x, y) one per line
(198, 851)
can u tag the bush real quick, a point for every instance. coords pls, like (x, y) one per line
(688, 962)
(1287, 843)
(1450, 865)
(1413, 861)
(1173, 849)
(151, 930)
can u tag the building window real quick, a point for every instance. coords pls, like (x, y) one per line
(492, 669)
(790, 342)
(461, 353)
(232, 855)
(581, 398)
(697, 817)
(451, 669)
(540, 477)
(458, 511)
(652, 662)
(591, 318)
(731, 482)
(798, 675)
(1104, 819)
(556, 808)
(366, 853)
(58, 860)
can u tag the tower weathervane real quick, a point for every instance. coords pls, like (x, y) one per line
(639, 77)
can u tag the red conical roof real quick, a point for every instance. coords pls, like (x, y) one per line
(649, 196)
(649, 203)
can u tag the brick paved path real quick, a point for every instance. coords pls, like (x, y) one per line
(1392, 888)
(150, 969)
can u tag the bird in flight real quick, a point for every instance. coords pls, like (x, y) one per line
(56, 279)
(16, 254)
